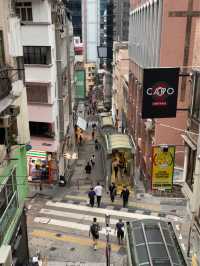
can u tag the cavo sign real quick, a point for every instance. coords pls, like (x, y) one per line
(160, 90)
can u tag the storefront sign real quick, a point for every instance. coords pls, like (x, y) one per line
(160, 91)
(163, 167)
(79, 78)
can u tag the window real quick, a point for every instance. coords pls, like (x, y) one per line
(41, 129)
(2, 59)
(37, 55)
(7, 191)
(190, 167)
(196, 98)
(37, 93)
(24, 10)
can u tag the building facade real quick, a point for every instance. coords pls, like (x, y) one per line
(91, 29)
(45, 39)
(14, 137)
(120, 84)
(75, 7)
(90, 73)
(120, 20)
(154, 42)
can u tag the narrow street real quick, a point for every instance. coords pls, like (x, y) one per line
(59, 218)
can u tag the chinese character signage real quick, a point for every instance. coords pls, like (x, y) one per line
(163, 167)
(160, 91)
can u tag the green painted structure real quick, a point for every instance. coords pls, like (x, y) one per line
(13, 191)
(80, 84)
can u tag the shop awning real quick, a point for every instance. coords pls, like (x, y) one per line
(119, 141)
(107, 121)
(44, 144)
(81, 123)
(37, 154)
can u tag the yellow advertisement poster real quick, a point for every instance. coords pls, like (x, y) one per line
(163, 167)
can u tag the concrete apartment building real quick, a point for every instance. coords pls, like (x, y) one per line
(45, 40)
(158, 38)
(90, 76)
(120, 79)
(14, 137)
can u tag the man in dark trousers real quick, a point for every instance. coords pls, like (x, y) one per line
(88, 168)
(120, 231)
(98, 191)
(113, 190)
(94, 231)
(125, 195)
(91, 195)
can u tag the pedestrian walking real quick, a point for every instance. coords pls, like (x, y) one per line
(125, 195)
(91, 195)
(80, 139)
(113, 191)
(94, 231)
(93, 133)
(98, 190)
(92, 160)
(88, 168)
(120, 231)
(96, 144)
(116, 168)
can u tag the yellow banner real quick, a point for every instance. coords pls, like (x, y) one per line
(163, 167)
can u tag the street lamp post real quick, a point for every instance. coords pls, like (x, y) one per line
(108, 246)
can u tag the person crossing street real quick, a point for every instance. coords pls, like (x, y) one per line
(94, 231)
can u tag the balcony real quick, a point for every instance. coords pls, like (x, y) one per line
(8, 216)
(36, 109)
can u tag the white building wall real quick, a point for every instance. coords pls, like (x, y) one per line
(91, 24)
(42, 33)
(144, 34)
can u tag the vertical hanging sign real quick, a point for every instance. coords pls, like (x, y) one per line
(160, 91)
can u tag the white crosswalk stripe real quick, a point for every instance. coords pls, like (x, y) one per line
(119, 214)
(79, 217)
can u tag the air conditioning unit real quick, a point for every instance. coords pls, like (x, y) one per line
(149, 124)
(14, 110)
(5, 121)
(5, 255)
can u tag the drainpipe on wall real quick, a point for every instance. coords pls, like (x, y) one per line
(60, 96)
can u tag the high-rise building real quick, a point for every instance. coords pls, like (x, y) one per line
(14, 137)
(74, 7)
(91, 29)
(121, 20)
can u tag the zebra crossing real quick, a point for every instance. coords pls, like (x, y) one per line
(71, 216)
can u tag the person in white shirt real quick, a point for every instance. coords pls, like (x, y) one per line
(98, 190)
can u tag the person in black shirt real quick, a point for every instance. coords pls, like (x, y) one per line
(120, 231)
(113, 191)
(91, 195)
(125, 195)
(88, 168)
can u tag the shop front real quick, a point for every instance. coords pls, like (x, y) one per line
(120, 160)
(42, 166)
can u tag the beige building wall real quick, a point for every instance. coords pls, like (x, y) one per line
(90, 73)
(121, 69)
(10, 25)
